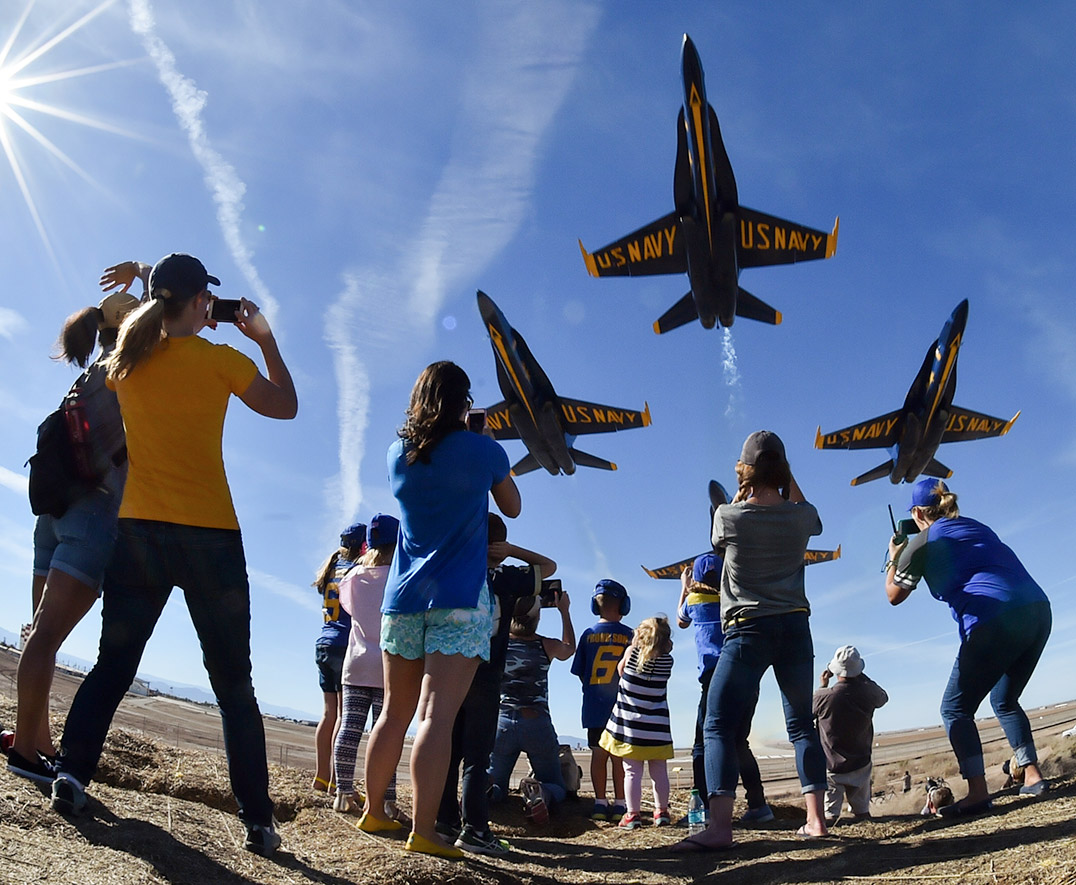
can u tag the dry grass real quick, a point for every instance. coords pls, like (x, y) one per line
(166, 815)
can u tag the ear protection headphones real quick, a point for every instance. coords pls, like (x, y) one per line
(609, 587)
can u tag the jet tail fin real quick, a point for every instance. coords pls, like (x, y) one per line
(526, 465)
(877, 473)
(751, 308)
(937, 469)
(582, 459)
(680, 314)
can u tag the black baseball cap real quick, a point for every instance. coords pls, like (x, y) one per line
(181, 275)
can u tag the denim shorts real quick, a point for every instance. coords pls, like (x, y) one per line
(330, 661)
(450, 631)
(80, 542)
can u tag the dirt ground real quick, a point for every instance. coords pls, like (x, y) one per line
(164, 814)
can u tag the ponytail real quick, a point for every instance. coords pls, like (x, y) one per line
(139, 336)
(78, 336)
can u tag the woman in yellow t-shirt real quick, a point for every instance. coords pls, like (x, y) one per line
(177, 526)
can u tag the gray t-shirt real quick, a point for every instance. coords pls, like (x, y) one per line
(764, 548)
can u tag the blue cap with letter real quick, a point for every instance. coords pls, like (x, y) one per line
(707, 570)
(927, 493)
(383, 530)
(353, 535)
(609, 587)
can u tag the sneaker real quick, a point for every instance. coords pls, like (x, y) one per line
(761, 815)
(1035, 789)
(661, 818)
(449, 832)
(7, 740)
(630, 821)
(600, 812)
(68, 795)
(482, 843)
(37, 770)
(616, 811)
(535, 808)
(348, 803)
(260, 840)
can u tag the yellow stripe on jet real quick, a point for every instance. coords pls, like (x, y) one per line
(498, 343)
(953, 348)
(697, 111)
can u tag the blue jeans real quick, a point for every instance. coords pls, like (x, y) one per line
(750, 776)
(209, 565)
(473, 737)
(997, 658)
(752, 647)
(530, 731)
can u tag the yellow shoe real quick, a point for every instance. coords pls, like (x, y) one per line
(370, 824)
(323, 786)
(421, 844)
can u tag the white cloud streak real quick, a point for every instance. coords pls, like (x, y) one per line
(304, 597)
(523, 67)
(9, 479)
(224, 184)
(12, 323)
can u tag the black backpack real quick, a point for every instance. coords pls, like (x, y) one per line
(63, 469)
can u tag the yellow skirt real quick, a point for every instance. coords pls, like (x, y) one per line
(630, 751)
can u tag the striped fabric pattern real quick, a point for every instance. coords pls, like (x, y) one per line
(640, 717)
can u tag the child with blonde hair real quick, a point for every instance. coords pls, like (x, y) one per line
(638, 730)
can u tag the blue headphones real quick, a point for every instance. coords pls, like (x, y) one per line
(609, 587)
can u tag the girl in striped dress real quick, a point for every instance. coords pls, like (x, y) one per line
(638, 730)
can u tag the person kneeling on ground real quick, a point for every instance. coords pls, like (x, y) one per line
(524, 724)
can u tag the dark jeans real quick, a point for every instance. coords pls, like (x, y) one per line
(997, 658)
(750, 776)
(208, 564)
(751, 648)
(473, 735)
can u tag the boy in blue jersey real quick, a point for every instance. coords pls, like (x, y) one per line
(597, 655)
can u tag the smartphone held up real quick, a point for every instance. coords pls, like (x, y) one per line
(476, 420)
(549, 593)
(223, 310)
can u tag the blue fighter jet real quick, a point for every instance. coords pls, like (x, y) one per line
(708, 235)
(927, 418)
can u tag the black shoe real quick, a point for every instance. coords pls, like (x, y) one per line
(262, 840)
(68, 796)
(37, 770)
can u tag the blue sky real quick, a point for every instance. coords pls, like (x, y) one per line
(359, 169)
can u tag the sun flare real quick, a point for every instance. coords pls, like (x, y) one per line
(18, 107)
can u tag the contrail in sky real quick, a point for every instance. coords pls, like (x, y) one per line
(521, 72)
(220, 177)
(732, 373)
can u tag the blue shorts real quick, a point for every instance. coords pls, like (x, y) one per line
(450, 631)
(330, 661)
(80, 542)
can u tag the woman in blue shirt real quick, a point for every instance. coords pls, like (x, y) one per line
(1004, 621)
(436, 615)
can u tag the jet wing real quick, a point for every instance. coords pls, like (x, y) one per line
(581, 417)
(657, 248)
(674, 570)
(766, 239)
(964, 424)
(877, 433)
(499, 421)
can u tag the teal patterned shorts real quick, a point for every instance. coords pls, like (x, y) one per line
(450, 631)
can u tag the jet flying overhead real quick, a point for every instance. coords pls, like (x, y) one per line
(719, 496)
(928, 417)
(708, 235)
(532, 411)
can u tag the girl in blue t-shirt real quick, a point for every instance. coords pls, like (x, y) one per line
(436, 615)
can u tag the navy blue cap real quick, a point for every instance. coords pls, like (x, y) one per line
(353, 535)
(383, 530)
(180, 275)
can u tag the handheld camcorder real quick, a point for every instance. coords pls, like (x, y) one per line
(548, 594)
